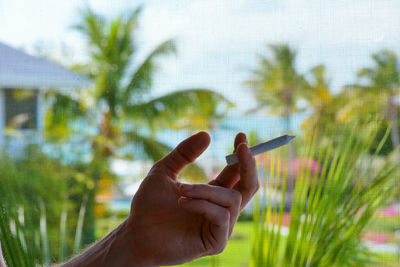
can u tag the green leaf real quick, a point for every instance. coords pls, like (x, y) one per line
(142, 79)
(191, 108)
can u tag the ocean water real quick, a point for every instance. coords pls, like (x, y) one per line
(222, 137)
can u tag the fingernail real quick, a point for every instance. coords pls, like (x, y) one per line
(186, 187)
(246, 144)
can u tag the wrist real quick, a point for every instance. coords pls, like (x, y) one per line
(122, 248)
(118, 248)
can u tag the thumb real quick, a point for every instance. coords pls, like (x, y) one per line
(185, 153)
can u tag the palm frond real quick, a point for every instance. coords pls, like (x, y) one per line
(93, 27)
(191, 108)
(142, 79)
(146, 147)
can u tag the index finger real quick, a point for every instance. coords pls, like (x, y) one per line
(248, 183)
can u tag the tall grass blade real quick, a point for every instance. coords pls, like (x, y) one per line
(63, 232)
(79, 226)
(43, 234)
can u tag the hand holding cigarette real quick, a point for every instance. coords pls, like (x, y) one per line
(170, 222)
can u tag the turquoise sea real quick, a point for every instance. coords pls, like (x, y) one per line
(265, 127)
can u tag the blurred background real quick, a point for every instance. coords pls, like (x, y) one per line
(92, 93)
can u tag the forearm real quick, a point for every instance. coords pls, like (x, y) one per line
(116, 249)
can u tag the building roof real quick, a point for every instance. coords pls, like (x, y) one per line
(20, 70)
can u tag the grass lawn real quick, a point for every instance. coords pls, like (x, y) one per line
(237, 253)
(386, 260)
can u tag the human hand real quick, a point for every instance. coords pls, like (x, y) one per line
(171, 223)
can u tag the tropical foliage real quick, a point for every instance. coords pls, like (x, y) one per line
(319, 99)
(330, 207)
(39, 226)
(380, 85)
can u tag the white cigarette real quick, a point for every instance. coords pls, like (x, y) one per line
(261, 148)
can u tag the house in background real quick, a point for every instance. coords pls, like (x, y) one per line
(23, 81)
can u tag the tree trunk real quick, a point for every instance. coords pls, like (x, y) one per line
(89, 223)
(287, 113)
(288, 131)
(101, 152)
(394, 121)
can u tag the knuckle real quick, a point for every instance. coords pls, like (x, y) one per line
(200, 190)
(247, 186)
(225, 215)
(161, 168)
(244, 168)
(252, 163)
(207, 189)
(219, 250)
(155, 167)
(203, 205)
(249, 165)
(182, 154)
(237, 196)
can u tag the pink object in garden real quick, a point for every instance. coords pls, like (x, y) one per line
(376, 237)
(391, 211)
(298, 165)
(285, 219)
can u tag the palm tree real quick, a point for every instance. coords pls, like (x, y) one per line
(119, 108)
(382, 84)
(277, 85)
(319, 99)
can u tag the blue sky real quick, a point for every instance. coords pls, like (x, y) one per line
(218, 40)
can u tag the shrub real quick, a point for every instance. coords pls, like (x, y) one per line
(35, 203)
